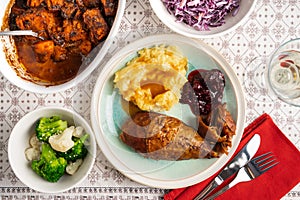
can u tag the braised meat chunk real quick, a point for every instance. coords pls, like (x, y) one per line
(36, 19)
(91, 3)
(60, 54)
(96, 24)
(73, 31)
(76, 38)
(218, 128)
(85, 47)
(110, 7)
(70, 10)
(80, 3)
(162, 137)
(44, 50)
(54, 5)
(34, 3)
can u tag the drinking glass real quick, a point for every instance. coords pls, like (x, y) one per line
(279, 75)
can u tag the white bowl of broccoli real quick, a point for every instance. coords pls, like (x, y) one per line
(52, 149)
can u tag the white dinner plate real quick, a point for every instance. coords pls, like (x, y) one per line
(107, 116)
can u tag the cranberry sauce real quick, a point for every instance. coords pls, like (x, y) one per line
(203, 91)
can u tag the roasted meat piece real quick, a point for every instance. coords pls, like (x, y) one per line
(75, 37)
(70, 10)
(37, 20)
(34, 3)
(60, 54)
(73, 31)
(43, 50)
(17, 10)
(80, 3)
(32, 20)
(91, 3)
(96, 24)
(54, 5)
(80, 47)
(218, 128)
(162, 137)
(85, 47)
(110, 7)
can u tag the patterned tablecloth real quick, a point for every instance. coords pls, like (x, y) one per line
(271, 23)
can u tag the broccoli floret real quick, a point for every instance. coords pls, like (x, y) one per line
(78, 151)
(49, 166)
(48, 126)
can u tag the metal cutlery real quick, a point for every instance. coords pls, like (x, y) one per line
(240, 160)
(253, 169)
(20, 32)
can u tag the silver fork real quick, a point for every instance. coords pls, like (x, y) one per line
(253, 169)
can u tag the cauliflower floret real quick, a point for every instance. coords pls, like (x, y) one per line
(34, 142)
(62, 142)
(32, 153)
(73, 166)
(78, 132)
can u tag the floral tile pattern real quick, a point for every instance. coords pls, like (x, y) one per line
(271, 23)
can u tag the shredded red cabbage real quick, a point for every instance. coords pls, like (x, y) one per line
(202, 14)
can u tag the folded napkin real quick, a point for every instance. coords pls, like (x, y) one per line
(274, 183)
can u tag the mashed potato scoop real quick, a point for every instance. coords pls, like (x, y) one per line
(153, 80)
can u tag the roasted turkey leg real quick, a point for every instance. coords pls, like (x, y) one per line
(162, 137)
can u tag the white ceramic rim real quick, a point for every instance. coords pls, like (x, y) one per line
(32, 87)
(198, 34)
(53, 109)
(100, 137)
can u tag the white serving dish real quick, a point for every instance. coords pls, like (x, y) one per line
(92, 62)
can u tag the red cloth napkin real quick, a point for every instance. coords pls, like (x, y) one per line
(273, 184)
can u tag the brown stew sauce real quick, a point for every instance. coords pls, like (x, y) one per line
(50, 71)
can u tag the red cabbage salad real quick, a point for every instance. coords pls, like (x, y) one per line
(202, 14)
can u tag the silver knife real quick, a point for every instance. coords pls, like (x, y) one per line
(239, 161)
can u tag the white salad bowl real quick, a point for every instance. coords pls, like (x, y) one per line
(231, 21)
(10, 66)
(19, 142)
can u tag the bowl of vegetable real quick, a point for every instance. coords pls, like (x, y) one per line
(203, 19)
(56, 149)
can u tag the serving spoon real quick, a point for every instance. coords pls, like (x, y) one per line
(21, 32)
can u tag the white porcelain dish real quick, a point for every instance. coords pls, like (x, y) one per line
(107, 116)
(19, 141)
(92, 61)
(232, 22)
